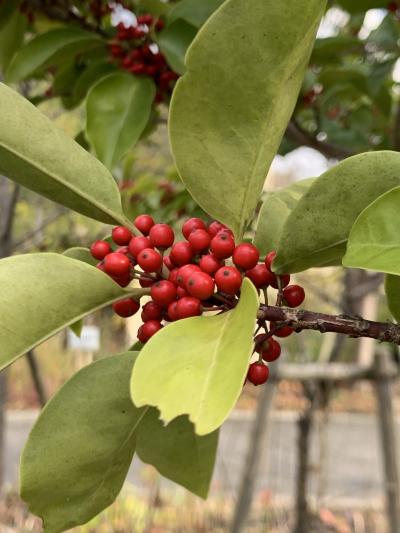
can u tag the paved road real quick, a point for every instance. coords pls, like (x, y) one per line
(354, 461)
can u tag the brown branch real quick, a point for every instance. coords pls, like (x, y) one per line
(356, 327)
(296, 134)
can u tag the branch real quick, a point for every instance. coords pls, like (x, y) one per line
(356, 327)
(296, 134)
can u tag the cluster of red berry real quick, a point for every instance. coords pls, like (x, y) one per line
(202, 273)
(136, 52)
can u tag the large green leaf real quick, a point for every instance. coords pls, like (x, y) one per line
(80, 449)
(177, 452)
(197, 366)
(48, 49)
(44, 293)
(274, 213)
(174, 42)
(11, 37)
(193, 11)
(118, 109)
(36, 154)
(316, 232)
(374, 241)
(229, 111)
(392, 289)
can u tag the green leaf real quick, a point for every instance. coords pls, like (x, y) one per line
(392, 289)
(374, 241)
(81, 254)
(230, 110)
(39, 156)
(89, 77)
(8, 8)
(77, 327)
(197, 366)
(274, 213)
(358, 6)
(11, 37)
(177, 452)
(194, 12)
(80, 449)
(118, 108)
(174, 42)
(50, 49)
(44, 293)
(316, 232)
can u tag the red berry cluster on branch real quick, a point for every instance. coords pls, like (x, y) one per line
(201, 274)
(135, 50)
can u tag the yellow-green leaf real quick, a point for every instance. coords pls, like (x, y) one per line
(229, 111)
(197, 366)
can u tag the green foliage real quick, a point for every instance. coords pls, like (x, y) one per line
(223, 148)
(7, 11)
(392, 289)
(81, 254)
(194, 12)
(44, 293)
(34, 153)
(360, 6)
(90, 431)
(118, 108)
(48, 49)
(197, 366)
(11, 37)
(174, 42)
(316, 231)
(374, 241)
(274, 213)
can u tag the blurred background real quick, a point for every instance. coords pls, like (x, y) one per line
(317, 449)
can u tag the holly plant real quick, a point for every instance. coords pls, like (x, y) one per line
(214, 301)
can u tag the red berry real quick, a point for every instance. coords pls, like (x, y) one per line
(294, 295)
(122, 250)
(160, 24)
(181, 292)
(137, 244)
(145, 19)
(144, 223)
(123, 280)
(228, 279)
(116, 264)
(100, 249)
(269, 259)
(210, 264)
(392, 7)
(214, 228)
(185, 272)
(161, 236)
(246, 256)
(173, 276)
(150, 260)
(188, 307)
(163, 292)
(191, 225)
(121, 235)
(127, 307)
(168, 263)
(151, 311)
(173, 311)
(261, 342)
(284, 279)
(283, 332)
(260, 276)
(148, 329)
(258, 373)
(222, 246)
(181, 253)
(199, 240)
(272, 351)
(200, 285)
